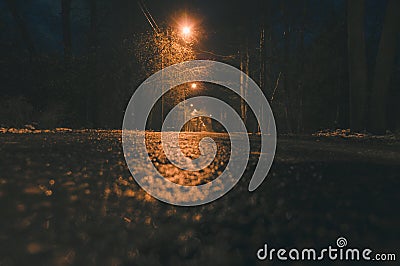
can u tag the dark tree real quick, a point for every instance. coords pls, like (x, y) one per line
(357, 64)
(66, 30)
(91, 103)
(384, 67)
(300, 67)
(285, 73)
(26, 37)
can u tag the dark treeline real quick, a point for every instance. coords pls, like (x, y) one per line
(330, 64)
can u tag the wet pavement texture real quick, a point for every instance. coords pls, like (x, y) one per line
(68, 198)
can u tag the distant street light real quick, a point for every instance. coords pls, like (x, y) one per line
(193, 86)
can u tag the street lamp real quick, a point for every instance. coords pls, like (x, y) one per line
(187, 33)
(186, 30)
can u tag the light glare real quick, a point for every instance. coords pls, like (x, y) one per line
(186, 30)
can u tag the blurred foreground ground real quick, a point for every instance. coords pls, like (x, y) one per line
(67, 198)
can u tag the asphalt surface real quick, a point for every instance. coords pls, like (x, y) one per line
(68, 198)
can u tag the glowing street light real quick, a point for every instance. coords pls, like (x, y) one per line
(193, 86)
(186, 30)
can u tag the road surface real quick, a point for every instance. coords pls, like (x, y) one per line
(67, 198)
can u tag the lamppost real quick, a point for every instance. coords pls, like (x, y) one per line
(186, 35)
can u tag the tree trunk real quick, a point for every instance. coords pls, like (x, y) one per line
(26, 37)
(262, 70)
(267, 22)
(286, 90)
(384, 67)
(93, 28)
(66, 30)
(262, 59)
(244, 81)
(300, 68)
(91, 92)
(357, 64)
(242, 87)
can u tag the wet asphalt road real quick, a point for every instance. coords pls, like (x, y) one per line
(67, 198)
